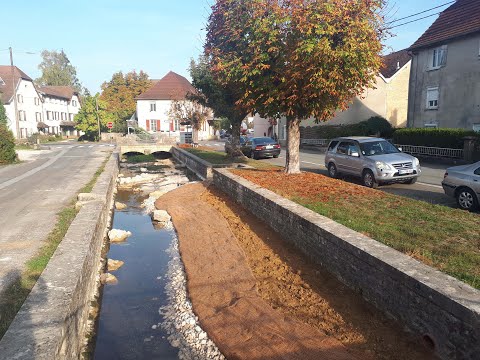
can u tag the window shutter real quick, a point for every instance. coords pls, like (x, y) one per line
(443, 55)
(158, 125)
(171, 125)
(148, 125)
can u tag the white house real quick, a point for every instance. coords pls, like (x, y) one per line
(154, 105)
(27, 100)
(48, 109)
(60, 105)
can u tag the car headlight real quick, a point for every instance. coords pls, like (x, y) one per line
(380, 165)
(416, 161)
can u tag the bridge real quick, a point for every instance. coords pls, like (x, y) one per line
(144, 148)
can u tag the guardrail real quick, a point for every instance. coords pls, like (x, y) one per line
(432, 151)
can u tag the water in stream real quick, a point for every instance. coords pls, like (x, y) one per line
(128, 325)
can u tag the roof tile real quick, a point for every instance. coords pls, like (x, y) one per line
(171, 87)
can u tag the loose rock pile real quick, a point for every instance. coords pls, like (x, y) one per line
(179, 320)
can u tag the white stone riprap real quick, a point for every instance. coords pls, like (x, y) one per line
(179, 320)
(116, 235)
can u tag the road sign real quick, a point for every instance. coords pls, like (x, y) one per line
(110, 125)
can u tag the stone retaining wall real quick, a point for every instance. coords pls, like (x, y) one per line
(441, 309)
(52, 322)
(201, 168)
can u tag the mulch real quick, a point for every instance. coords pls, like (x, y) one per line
(223, 289)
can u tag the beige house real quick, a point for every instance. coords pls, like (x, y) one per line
(389, 99)
(445, 81)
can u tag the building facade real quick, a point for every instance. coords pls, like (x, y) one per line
(31, 110)
(154, 107)
(445, 76)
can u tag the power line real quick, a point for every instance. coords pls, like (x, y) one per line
(421, 12)
(408, 22)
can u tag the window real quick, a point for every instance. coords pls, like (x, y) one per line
(176, 125)
(332, 145)
(432, 98)
(342, 148)
(70, 117)
(477, 172)
(22, 115)
(38, 116)
(476, 127)
(36, 101)
(20, 98)
(49, 115)
(153, 125)
(2, 82)
(153, 107)
(439, 57)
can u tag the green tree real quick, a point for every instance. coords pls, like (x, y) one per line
(57, 70)
(223, 98)
(119, 95)
(7, 140)
(86, 119)
(296, 58)
(3, 114)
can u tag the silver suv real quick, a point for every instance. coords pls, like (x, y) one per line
(375, 160)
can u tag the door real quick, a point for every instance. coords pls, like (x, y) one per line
(341, 156)
(353, 162)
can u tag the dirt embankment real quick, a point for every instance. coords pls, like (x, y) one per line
(258, 298)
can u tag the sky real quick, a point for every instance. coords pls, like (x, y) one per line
(102, 37)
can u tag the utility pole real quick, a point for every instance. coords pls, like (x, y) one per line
(14, 88)
(98, 119)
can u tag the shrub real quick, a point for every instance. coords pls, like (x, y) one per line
(444, 138)
(7, 146)
(376, 125)
(44, 138)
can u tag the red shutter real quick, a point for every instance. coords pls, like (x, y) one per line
(148, 125)
(171, 125)
(158, 126)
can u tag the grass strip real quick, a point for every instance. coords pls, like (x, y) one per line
(444, 238)
(14, 296)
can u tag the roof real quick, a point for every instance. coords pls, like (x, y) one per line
(171, 87)
(6, 91)
(460, 19)
(64, 92)
(394, 62)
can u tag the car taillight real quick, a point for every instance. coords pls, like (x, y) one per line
(276, 146)
(445, 175)
(259, 147)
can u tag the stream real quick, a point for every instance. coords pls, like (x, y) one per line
(145, 313)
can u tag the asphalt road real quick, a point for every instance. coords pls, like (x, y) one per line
(33, 192)
(428, 187)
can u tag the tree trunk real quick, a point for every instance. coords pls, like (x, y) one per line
(236, 151)
(292, 164)
(195, 134)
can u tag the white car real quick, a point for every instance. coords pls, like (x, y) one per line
(463, 183)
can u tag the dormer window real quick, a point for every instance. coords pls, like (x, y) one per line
(2, 82)
(438, 57)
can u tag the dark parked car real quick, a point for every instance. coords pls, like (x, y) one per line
(262, 147)
(243, 147)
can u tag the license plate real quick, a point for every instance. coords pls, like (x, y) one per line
(403, 172)
(269, 147)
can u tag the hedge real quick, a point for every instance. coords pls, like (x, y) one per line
(374, 126)
(443, 138)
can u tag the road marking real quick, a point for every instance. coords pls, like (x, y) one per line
(431, 185)
(80, 146)
(33, 171)
(90, 146)
(58, 147)
(310, 163)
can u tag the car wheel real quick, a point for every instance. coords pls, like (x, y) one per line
(332, 170)
(466, 199)
(369, 179)
(255, 156)
(411, 181)
(275, 156)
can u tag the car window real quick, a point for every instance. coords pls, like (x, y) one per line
(477, 172)
(332, 145)
(264, 141)
(378, 147)
(342, 148)
(352, 148)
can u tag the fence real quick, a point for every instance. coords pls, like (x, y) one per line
(316, 142)
(432, 151)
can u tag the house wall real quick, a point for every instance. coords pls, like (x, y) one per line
(162, 114)
(458, 82)
(28, 126)
(397, 97)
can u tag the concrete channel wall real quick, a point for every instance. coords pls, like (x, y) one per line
(441, 309)
(52, 322)
(201, 168)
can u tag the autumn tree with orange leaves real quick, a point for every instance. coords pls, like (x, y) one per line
(296, 58)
